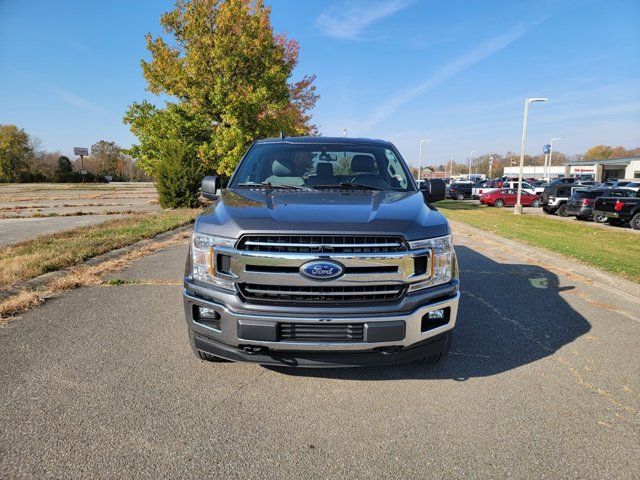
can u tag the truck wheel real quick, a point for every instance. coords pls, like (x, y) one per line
(635, 221)
(203, 355)
(460, 196)
(600, 219)
(498, 203)
(439, 356)
(562, 210)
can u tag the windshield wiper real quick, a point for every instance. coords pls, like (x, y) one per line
(273, 186)
(352, 185)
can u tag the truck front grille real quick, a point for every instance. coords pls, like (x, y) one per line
(320, 294)
(304, 332)
(322, 244)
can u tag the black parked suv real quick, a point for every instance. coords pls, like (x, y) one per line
(581, 203)
(461, 190)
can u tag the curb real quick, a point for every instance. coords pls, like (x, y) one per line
(45, 278)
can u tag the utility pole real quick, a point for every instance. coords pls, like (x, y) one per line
(420, 159)
(470, 154)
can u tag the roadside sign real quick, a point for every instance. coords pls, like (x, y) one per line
(546, 149)
(83, 172)
(83, 152)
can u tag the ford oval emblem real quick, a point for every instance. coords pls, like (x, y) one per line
(321, 270)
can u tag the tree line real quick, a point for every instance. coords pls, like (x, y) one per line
(480, 164)
(22, 159)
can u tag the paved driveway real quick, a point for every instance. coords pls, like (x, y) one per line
(543, 381)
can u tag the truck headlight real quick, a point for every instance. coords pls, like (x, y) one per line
(443, 261)
(203, 256)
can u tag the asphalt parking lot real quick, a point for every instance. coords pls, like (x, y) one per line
(543, 381)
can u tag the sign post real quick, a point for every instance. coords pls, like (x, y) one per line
(545, 171)
(82, 151)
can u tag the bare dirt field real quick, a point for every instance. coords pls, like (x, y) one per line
(28, 210)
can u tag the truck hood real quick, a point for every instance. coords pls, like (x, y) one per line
(237, 212)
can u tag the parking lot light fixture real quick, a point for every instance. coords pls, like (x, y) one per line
(470, 154)
(420, 159)
(518, 208)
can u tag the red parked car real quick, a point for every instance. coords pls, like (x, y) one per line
(508, 196)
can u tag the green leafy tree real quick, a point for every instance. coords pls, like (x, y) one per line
(228, 77)
(106, 156)
(15, 153)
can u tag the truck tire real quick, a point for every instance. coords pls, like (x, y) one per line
(635, 221)
(600, 219)
(460, 196)
(499, 203)
(203, 355)
(439, 356)
(562, 210)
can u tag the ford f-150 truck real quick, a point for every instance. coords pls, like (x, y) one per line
(619, 210)
(321, 252)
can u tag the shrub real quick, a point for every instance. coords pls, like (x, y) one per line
(178, 175)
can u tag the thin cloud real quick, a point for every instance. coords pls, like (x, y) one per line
(476, 55)
(350, 18)
(71, 97)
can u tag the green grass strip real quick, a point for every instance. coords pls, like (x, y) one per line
(29, 259)
(616, 250)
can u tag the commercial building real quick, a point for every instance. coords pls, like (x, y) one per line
(611, 169)
(599, 170)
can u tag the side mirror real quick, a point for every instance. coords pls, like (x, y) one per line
(210, 187)
(434, 190)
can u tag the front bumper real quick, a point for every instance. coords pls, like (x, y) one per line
(393, 333)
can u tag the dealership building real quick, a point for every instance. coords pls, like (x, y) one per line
(599, 170)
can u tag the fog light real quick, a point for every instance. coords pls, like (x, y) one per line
(205, 313)
(435, 319)
(207, 317)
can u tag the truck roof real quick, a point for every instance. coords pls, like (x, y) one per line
(326, 140)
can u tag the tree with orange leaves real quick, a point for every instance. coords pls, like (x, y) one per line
(229, 80)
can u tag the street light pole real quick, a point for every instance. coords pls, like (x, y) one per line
(517, 210)
(420, 159)
(490, 167)
(470, 153)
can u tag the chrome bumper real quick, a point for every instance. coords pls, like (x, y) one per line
(229, 321)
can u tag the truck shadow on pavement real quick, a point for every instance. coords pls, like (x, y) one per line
(510, 315)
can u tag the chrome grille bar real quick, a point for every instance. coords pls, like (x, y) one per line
(322, 243)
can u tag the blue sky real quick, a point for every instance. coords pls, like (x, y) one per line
(454, 72)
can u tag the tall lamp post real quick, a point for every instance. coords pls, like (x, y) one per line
(420, 159)
(548, 169)
(470, 154)
(490, 167)
(518, 208)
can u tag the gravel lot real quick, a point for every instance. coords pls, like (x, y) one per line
(29, 210)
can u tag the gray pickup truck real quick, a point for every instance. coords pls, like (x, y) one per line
(321, 252)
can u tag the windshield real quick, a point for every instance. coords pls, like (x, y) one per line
(322, 166)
